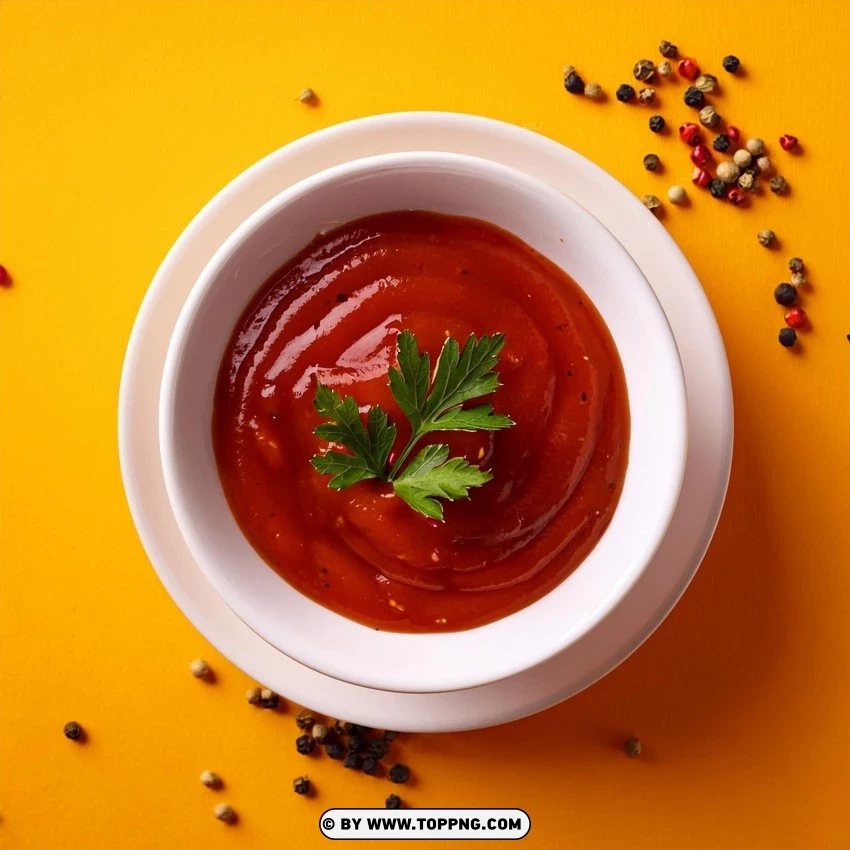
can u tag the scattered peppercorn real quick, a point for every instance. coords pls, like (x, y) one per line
(736, 197)
(305, 744)
(224, 812)
(253, 696)
(370, 766)
(361, 731)
(307, 96)
(755, 146)
(5, 278)
(728, 172)
(668, 50)
(199, 668)
(633, 748)
(743, 158)
(644, 70)
(747, 181)
(795, 264)
(701, 177)
(651, 202)
(393, 802)
(352, 761)
(210, 779)
(788, 143)
(785, 294)
(319, 732)
(688, 68)
(593, 91)
(656, 123)
(334, 750)
(73, 730)
(787, 337)
(766, 237)
(694, 97)
(764, 164)
(651, 162)
(721, 143)
(700, 155)
(390, 736)
(796, 318)
(778, 185)
(690, 134)
(625, 93)
(717, 188)
(573, 83)
(798, 279)
(356, 743)
(301, 785)
(399, 774)
(646, 95)
(665, 69)
(269, 699)
(676, 194)
(304, 719)
(706, 83)
(341, 727)
(378, 748)
(731, 64)
(708, 116)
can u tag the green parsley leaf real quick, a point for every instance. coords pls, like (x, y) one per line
(430, 476)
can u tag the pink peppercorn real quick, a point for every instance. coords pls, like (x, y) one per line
(788, 143)
(688, 68)
(690, 134)
(701, 177)
(700, 155)
(796, 318)
(5, 279)
(736, 197)
(733, 133)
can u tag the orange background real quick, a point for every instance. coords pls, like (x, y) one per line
(118, 121)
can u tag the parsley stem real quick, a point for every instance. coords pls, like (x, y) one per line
(411, 443)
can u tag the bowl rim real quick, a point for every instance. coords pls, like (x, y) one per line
(616, 591)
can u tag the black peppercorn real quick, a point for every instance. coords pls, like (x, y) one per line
(625, 93)
(668, 50)
(731, 64)
(360, 731)
(721, 143)
(352, 761)
(334, 750)
(656, 123)
(390, 736)
(305, 744)
(73, 730)
(378, 748)
(301, 785)
(717, 188)
(399, 773)
(694, 97)
(787, 337)
(633, 748)
(355, 743)
(573, 83)
(393, 802)
(370, 766)
(785, 294)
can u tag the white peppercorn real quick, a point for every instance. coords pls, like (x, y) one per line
(593, 91)
(747, 181)
(764, 164)
(651, 202)
(706, 83)
(708, 116)
(646, 95)
(319, 732)
(665, 69)
(253, 696)
(210, 779)
(798, 279)
(307, 96)
(766, 237)
(728, 172)
(742, 158)
(755, 146)
(199, 668)
(224, 812)
(676, 194)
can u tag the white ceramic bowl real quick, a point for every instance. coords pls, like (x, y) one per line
(566, 234)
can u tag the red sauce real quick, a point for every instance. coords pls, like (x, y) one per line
(332, 313)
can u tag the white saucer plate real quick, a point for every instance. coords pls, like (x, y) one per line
(709, 423)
